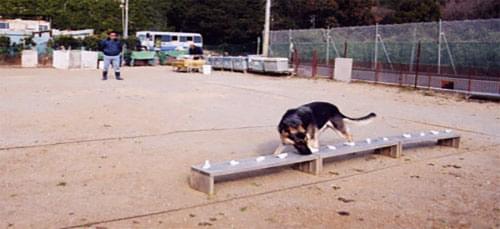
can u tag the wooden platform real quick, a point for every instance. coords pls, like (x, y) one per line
(188, 65)
(203, 179)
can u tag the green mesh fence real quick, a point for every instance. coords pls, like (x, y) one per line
(465, 46)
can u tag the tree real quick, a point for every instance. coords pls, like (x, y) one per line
(321, 13)
(4, 42)
(222, 21)
(67, 42)
(355, 12)
(406, 11)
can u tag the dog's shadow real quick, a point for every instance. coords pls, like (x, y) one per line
(268, 147)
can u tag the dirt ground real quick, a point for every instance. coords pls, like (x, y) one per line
(76, 151)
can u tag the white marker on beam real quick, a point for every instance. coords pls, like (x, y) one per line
(385, 139)
(407, 135)
(422, 134)
(206, 165)
(282, 156)
(261, 158)
(434, 132)
(332, 147)
(447, 131)
(233, 162)
(368, 140)
(349, 143)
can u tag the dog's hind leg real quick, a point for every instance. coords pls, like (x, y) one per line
(341, 129)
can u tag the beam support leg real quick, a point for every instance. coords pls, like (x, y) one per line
(451, 142)
(393, 151)
(313, 167)
(202, 182)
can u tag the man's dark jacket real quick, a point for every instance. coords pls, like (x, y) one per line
(196, 51)
(111, 47)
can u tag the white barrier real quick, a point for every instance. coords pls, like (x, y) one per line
(29, 58)
(343, 69)
(60, 59)
(89, 60)
(75, 59)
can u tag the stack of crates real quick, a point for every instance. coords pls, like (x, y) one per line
(240, 64)
(256, 63)
(276, 65)
(227, 63)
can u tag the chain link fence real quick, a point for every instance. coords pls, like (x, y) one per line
(465, 54)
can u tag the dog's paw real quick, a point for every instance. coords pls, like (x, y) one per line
(349, 143)
(282, 156)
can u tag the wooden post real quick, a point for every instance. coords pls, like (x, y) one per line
(313, 167)
(393, 151)
(314, 64)
(430, 81)
(451, 142)
(296, 60)
(400, 77)
(202, 182)
(469, 84)
(345, 49)
(418, 65)
(331, 67)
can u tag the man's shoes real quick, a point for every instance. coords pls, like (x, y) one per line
(117, 75)
(104, 75)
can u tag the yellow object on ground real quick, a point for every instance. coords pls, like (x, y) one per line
(187, 65)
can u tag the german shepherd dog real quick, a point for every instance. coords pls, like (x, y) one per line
(301, 127)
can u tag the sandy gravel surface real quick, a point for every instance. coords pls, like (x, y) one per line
(77, 151)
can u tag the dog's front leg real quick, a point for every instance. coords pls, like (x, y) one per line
(280, 149)
(313, 138)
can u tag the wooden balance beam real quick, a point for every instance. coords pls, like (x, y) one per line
(203, 178)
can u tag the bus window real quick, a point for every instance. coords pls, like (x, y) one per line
(183, 39)
(197, 39)
(157, 41)
(175, 38)
(189, 38)
(166, 38)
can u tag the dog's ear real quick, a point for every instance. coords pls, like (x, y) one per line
(292, 122)
(301, 129)
(305, 114)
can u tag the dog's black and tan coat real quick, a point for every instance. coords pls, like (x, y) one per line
(301, 127)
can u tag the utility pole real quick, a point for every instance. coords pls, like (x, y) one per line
(267, 25)
(125, 26)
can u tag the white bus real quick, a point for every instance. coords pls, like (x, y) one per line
(168, 41)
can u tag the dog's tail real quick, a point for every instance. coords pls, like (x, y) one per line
(362, 120)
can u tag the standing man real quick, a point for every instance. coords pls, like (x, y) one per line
(112, 48)
(195, 51)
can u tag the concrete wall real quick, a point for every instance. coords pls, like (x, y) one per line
(29, 59)
(60, 59)
(89, 60)
(74, 59)
(343, 69)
